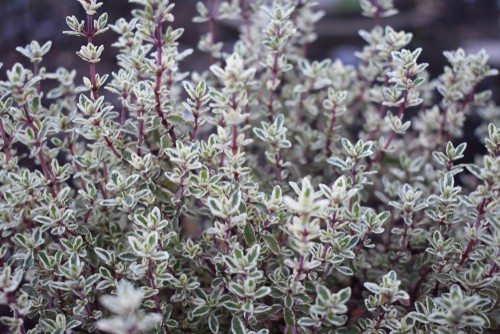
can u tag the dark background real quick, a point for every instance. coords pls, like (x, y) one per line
(437, 25)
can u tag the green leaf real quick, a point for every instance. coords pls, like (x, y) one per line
(28, 262)
(344, 295)
(262, 292)
(237, 326)
(176, 119)
(289, 317)
(105, 273)
(419, 317)
(249, 234)
(236, 199)
(200, 311)
(272, 243)
(323, 293)
(127, 256)
(213, 323)
(44, 258)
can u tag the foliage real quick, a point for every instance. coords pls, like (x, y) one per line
(266, 194)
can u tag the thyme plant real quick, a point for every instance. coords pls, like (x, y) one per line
(268, 193)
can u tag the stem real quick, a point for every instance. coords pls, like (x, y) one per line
(95, 95)
(234, 148)
(354, 173)
(300, 269)
(182, 187)
(471, 243)
(196, 115)
(234, 143)
(112, 146)
(82, 297)
(378, 13)
(211, 27)
(141, 130)
(270, 105)
(330, 134)
(400, 115)
(6, 142)
(37, 71)
(361, 245)
(379, 320)
(195, 127)
(277, 163)
(153, 286)
(159, 73)
(227, 239)
(76, 165)
(90, 40)
(404, 243)
(124, 108)
(41, 156)
(436, 285)
(246, 20)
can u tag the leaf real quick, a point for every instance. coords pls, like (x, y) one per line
(323, 293)
(237, 326)
(253, 253)
(44, 258)
(289, 317)
(105, 273)
(262, 292)
(28, 262)
(103, 254)
(249, 234)
(213, 323)
(127, 256)
(345, 270)
(419, 317)
(200, 311)
(344, 295)
(272, 244)
(236, 199)
(308, 322)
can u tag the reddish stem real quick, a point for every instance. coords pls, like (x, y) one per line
(153, 286)
(380, 153)
(329, 135)
(6, 141)
(141, 131)
(211, 27)
(41, 156)
(246, 20)
(77, 166)
(270, 105)
(471, 243)
(124, 108)
(37, 71)
(196, 116)
(234, 147)
(277, 163)
(234, 143)
(90, 40)
(159, 73)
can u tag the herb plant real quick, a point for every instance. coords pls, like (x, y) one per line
(267, 193)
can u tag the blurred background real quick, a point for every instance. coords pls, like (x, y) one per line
(437, 25)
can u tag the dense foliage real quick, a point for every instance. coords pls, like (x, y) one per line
(266, 194)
